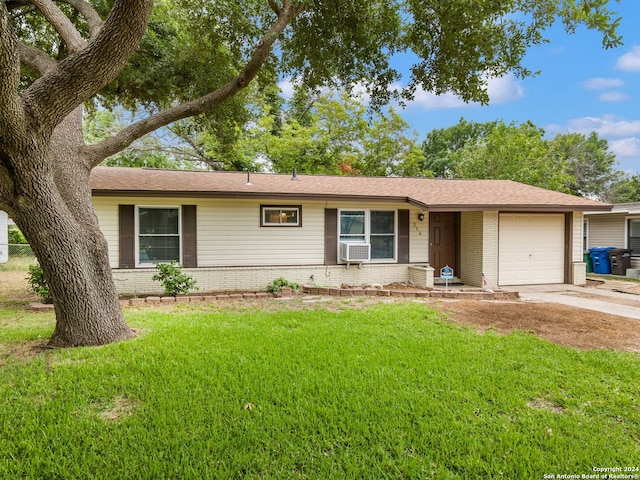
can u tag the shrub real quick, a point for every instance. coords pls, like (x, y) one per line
(38, 284)
(173, 280)
(15, 236)
(278, 283)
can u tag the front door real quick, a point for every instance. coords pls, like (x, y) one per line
(443, 241)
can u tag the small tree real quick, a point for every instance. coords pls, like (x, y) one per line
(173, 279)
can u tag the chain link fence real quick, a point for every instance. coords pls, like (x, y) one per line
(20, 250)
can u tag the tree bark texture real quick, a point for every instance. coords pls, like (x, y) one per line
(53, 209)
(44, 174)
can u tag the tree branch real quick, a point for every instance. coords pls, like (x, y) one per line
(81, 6)
(80, 76)
(99, 151)
(275, 7)
(65, 28)
(13, 4)
(90, 15)
(11, 107)
(36, 59)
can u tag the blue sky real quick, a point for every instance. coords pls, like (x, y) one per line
(581, 88)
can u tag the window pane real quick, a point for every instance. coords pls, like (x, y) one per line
(289, 216)
(382, 222)
(159, 249)
(280, 216)
(634, 228)
(158, 221)
(352, 223)
(382, 246)
(271, 215)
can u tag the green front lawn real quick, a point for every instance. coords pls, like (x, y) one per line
(389, 391)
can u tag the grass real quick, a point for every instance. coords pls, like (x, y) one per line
(17, 264)
(389, 391)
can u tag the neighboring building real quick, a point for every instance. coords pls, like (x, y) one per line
(4, 237)
(619, 228)
(235, 231)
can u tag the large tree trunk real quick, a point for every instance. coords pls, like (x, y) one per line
(53, 209)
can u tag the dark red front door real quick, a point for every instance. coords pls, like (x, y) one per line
(443, 241)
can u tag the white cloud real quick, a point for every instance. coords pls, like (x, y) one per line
(630, 61)
(599, 83)
(500, 90)
(614, 96)
(505, 89)
(431, 101)
(606, 126)
(626, 147)
(287, 85)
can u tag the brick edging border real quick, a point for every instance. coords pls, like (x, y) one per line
(382, 292)
(310, 290)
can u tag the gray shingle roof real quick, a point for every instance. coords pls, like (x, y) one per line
(428, 193)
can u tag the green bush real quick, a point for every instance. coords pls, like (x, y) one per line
(38, 284)
(173, 280)
(276, 285)
(16, 237)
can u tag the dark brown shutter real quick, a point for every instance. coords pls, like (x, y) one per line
(127, 229)
(403, 236)
(189, 236)
(330, 236)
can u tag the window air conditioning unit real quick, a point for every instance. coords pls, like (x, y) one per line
(355, 252)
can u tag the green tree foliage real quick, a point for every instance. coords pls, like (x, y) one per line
(573, 163)
(588, 162)
(147, 152)
(623, 189)
(441, 143)
(512, 152)
(320, 133)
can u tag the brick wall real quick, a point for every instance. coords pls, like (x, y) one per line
(138, 281)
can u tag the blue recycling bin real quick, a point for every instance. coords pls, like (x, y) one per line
(600, 259)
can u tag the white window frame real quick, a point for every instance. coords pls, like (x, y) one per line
(137, 233)
(265, 208)
(367, 230)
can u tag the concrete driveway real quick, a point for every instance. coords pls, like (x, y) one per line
(607, 298)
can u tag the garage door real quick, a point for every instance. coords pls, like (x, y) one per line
(531, 249)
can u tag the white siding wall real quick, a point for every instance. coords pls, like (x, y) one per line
(233, 248)
(107, 211)
(418, 237)
(229, 234)
(607, 231)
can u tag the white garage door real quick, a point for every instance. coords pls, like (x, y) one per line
(531, 249)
